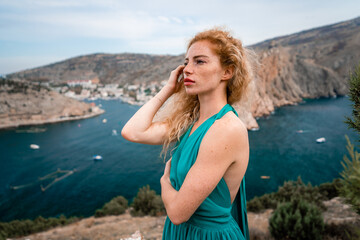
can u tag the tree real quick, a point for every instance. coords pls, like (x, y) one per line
(350, 189)
(354, 95)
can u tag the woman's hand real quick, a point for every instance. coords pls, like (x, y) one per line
(166, 175)
(173, 84)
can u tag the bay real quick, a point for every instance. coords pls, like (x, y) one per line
(277, 150)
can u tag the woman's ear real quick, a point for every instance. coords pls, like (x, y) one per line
(228, 73)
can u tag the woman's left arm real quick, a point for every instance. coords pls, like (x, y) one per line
(221, 146)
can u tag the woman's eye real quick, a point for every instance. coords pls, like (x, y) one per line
(200, 61)
(185, 63)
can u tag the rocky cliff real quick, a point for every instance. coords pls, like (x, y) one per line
(26, 103)
(309, 64)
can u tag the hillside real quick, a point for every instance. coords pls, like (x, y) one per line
(26, 103)
(309, 64)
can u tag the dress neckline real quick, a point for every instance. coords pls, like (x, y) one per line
(192, 125)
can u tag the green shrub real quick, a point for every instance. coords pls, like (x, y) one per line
(116, 206)
(297, 189)
(331, 189)
(257, 204)
(344, 231)
(285, 193)
(350, 189)
(297, 219)
(18, 228)
(147, 202)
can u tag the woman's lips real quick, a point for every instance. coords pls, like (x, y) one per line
(188, 81)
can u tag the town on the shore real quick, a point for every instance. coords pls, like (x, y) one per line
(92, 89)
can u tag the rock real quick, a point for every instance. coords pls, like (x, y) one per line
(339, 212)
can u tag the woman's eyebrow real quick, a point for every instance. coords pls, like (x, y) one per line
(197, 56)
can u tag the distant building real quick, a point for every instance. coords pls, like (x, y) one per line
(133, 87)
(83, 83)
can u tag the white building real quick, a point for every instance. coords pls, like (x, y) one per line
(83, 83)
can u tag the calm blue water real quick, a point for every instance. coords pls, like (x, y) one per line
(277, 150)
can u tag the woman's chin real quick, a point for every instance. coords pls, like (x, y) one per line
(190, 91)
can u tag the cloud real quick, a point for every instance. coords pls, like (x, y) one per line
(156, 26)
(177, 20)
(163, 19)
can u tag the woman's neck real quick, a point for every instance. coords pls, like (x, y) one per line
(210, 105)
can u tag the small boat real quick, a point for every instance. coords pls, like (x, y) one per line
(104, 120)
(34, 146)
(97, 157)
(265, 177)
(320, 140)
(114, 132)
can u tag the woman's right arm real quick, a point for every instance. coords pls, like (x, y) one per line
(141, 128)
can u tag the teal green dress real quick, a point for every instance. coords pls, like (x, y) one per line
(216, 217)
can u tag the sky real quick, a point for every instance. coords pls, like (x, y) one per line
(34, 33)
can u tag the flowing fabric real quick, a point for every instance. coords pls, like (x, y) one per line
(216, 217)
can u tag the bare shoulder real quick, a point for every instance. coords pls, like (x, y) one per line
(229, 131)
(231, 127)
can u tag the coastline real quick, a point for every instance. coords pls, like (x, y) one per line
(24, 123)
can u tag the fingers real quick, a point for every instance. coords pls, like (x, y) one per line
(177, 72)
(176, 77)
(167, 167)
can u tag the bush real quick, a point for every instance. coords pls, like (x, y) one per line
(257, 204)
(297, 219)
(297, 189)
(350, 188)
(344, 231)
(285, 193)
(147, 202)
(116, 206)
(18, 228)
(331, 189)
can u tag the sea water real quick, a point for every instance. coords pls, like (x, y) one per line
(282, 149)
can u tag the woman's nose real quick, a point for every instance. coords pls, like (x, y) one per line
(187, 69)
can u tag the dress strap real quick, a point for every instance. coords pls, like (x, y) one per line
(239, 211)
(224, 110)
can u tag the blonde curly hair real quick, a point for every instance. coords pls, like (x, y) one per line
(181, 110)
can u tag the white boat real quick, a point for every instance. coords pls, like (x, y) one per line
(97, 157)
(114, 132)
(34, 146)
(104, 120)
(321, 140)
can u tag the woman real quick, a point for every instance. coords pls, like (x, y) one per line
(202, 187)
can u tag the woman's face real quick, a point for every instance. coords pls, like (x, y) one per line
(203, 72)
